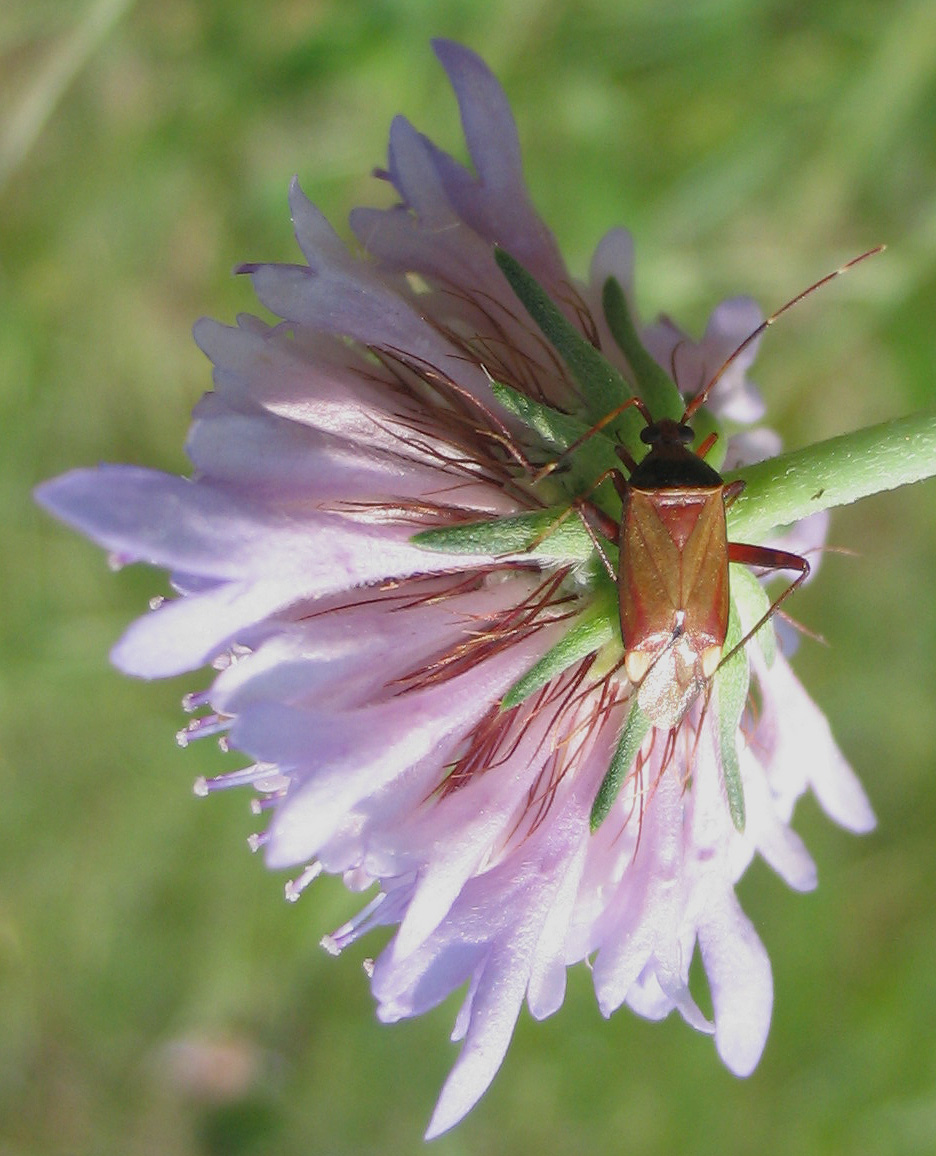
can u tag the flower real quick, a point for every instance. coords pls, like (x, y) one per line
(422, 658)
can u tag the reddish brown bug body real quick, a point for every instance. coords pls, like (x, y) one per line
(673, 570)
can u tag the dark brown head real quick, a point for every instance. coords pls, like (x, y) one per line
(670, 462)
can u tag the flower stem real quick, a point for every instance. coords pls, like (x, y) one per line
(835, 472)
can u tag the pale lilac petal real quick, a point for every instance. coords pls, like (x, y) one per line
(488, 123)
(811, 747)
(482, 813)
(384, 910)
(776, 842)
(413, 172)
(463, 1019)
(623, 958)
(343, 654)
(344, 756)
(157, 518)
(186, 633)
(425, 234)
(750, 446)
(495, 1009)
(402, 243)
(614, 257)
(338, 295)
(693, 365)
(443, 877)
(740, 981)
(318, 382)
(338, 300)
(373, 315)
(428, 977)
(785, 853)
(352, 759)
(807, 538)
(648, 901)
(320, 244)
(732, 323)
(264, 454)
(199, 529)
(496, 203)
(664, 340)
(647, 998)
(498, 992)
(547, 983)
(673, 983)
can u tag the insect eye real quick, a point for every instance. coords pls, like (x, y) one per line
(650, 434)
(686, 435)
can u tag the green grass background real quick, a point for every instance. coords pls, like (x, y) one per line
(145, 149)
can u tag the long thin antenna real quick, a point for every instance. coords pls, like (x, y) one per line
(700, 398)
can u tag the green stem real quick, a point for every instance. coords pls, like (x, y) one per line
(836, 472)
(778, 491)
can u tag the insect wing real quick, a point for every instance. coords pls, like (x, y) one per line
(671, 684)
(673, 594)
(650, 580)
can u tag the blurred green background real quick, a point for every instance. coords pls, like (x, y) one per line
(145, 149)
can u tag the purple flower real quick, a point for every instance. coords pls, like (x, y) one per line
(374, 682)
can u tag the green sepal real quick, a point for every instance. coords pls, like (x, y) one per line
(654, 385)
(753, 603)
(628, 745)
(557, 431)
(554, 533)
(594, 629)
(603, 388)
(731, 688)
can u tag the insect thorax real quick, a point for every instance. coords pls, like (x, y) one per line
(669, 466)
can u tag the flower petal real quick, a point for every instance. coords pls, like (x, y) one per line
(496, 204)
(316, 381)
(266, 455)
(189, 632)
(339, 757)
(494, 1012)
(809, 750)
(740, 981)
(157, 518)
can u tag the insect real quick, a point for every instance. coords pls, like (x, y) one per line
(672, 578)
(672, 575)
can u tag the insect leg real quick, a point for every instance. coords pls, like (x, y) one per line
(607, 527)
(767, 558)
(595, 520)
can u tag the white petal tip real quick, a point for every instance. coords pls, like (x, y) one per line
(330, 945)
(740, 1057)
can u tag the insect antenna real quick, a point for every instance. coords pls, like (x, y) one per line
(700, 398)
(632, 402)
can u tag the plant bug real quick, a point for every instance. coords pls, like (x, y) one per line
(672, 576)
